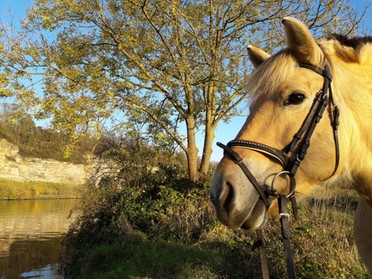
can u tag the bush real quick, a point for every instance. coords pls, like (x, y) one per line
(160, 205)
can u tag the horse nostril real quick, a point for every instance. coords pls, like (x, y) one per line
(226, 197)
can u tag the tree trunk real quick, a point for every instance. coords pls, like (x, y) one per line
(207, 150)
(210, 125)
(192, 150)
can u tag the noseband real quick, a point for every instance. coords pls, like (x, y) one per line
(291, 156)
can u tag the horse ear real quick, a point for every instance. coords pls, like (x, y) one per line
(301, 42)
(257, 55)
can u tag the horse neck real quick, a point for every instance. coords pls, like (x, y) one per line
(353, 90)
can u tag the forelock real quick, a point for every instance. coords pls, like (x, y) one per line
(269, 76)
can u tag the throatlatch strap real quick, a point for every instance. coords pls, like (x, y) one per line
(261, 247)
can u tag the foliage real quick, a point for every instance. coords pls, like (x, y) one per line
(158, 64)
(35, 141)
(153, 205)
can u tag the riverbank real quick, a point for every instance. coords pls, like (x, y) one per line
(15, 190)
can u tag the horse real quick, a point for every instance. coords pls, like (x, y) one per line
(272, 152)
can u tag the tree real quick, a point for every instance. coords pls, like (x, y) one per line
(162, 63)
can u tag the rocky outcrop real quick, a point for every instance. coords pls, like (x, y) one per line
(18, 168)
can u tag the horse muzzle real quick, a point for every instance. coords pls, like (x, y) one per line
(237, 202)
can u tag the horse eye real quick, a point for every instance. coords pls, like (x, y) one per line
(295, 99)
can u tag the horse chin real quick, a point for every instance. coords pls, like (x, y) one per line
(257, 218)
(248, 220)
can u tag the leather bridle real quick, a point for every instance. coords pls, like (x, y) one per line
(290, 158)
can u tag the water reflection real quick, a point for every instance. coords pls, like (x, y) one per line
(30, 236)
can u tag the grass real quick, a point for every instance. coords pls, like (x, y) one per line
(322, 240)
(13, 190)
(151, 259)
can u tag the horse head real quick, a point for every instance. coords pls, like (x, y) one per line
(283, 90)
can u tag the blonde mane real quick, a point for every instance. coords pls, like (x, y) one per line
(350, 50)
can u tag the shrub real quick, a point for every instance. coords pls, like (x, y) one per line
(160, 205)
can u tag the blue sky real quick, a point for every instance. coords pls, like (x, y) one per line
(14, 10)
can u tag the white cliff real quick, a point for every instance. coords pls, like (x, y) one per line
(15, 167)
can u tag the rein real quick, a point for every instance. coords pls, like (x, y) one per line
(290, 158)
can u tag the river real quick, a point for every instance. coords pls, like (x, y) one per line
(30, 237)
